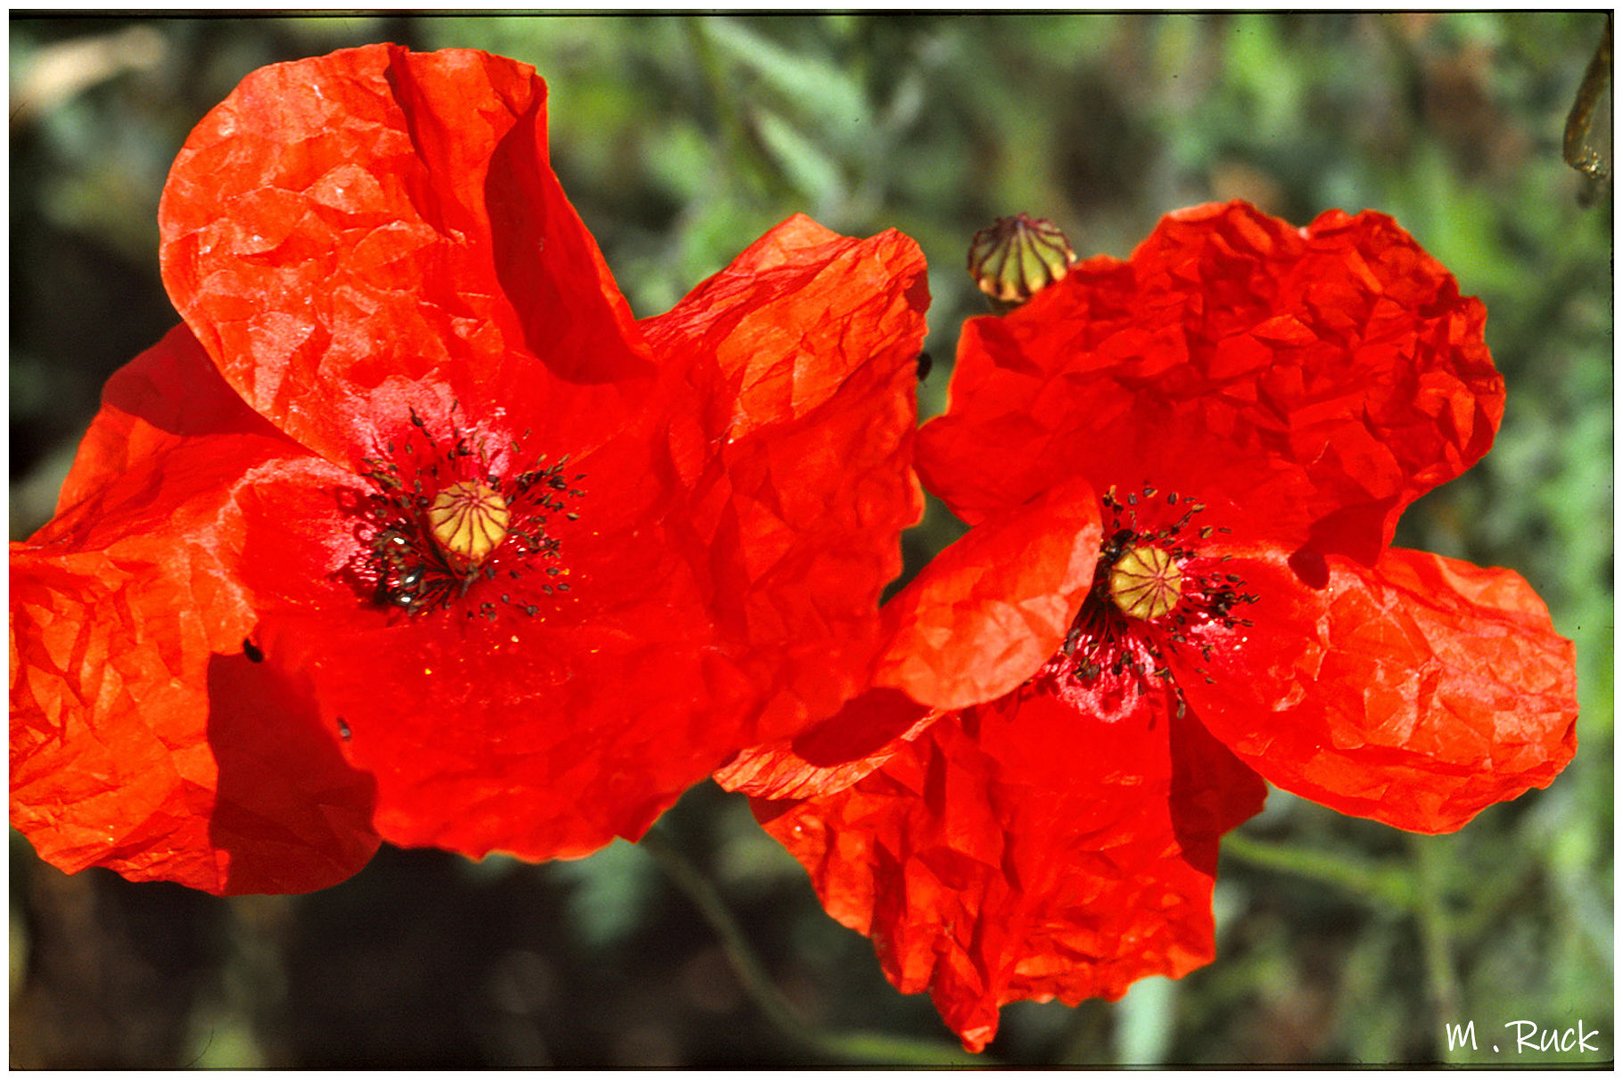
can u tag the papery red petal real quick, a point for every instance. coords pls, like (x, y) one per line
(547, 746)
(976, 622)
(1416, 692)
(815, 336)
(832, 754)
(345, 230)
(989, 610)
(1332, 374)
(135, 742)
(1028, 850)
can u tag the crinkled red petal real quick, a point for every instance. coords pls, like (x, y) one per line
(1028, 850)
(1332, 374)
(816, 337)
(1416, 692)
(989, 610)
(343, 231)
(832, 754)
(976, 622)
(142, 739)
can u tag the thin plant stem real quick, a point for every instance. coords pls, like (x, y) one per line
(1435, 937)
(741, 148)
(861, 1047)
(1377, 884)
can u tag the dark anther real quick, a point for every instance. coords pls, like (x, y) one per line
(253, 652)
(343, 729)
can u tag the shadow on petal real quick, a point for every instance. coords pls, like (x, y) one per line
(1212, 791)
(291, 814)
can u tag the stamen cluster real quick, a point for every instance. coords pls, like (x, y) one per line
(1147, 599)
(443, 521)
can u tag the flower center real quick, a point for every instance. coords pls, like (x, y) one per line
(1145, 583)
(468, 520)
(1155, 593)
(451, 526)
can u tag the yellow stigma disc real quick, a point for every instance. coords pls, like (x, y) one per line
(1146, 582)
(468, 521)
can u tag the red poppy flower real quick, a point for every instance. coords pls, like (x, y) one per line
(412, 531)
(1255, 405)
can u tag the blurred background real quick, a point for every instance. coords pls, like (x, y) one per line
(680, 139)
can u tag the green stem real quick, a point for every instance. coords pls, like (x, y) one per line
(858, 1046)
(1435, 937)
(1377, 884)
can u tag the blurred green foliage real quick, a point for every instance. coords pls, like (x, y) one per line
(680, 139)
